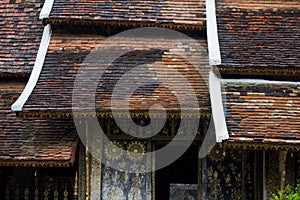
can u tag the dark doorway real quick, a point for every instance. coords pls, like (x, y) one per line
(182, 171)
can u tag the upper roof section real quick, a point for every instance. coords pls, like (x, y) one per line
(20, 36)
(171, 70)
(178, 14)
(259, 34)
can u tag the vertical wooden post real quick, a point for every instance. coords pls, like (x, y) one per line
(255, 176)
(95, 178)
(95, 144)
(243, 174)
(204, 177)
(81, 173)
(282, 170)
(87, 162)
(153, 172)
(200, 180)
(264, 176)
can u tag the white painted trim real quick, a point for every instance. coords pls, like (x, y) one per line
(258, 81)
(217, 108)
(212, 33)
(37, 68)
(45, 12)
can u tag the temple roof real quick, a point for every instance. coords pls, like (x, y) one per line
(20, 36)
(69, 49)
(262, 111)
(33, 142)
(171, 13)
(259, 34)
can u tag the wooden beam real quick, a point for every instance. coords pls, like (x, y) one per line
(282, 169)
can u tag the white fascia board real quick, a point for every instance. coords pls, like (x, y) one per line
(217, 108)
(37, 68)
(212, 33)
(45, 12)
(258, 81)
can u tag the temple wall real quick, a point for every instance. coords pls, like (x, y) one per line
(108, 183)
(243, 174)
(229, 175)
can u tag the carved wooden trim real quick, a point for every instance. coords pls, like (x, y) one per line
(260, 146)
(35, 163)
(135, 24)
(256, 70)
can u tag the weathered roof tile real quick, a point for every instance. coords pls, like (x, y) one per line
(190, 13)
(68, 50)
(268, 111)
(27, 142)
(259, 33)
(20, 36)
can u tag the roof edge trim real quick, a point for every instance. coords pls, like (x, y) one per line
(212, 33)
(34, 163)
(66, 21)
(37, 68)
(221, 131)
(45, 12)
(258, 81)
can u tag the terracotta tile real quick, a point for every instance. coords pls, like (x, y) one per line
(278, 121)
(259, 33)
(190, 12)
(68, 49)
(30, 139)
(20, 35)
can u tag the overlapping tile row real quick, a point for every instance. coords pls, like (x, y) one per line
(191, 12)
(156, 61)
(263, 112)
(33, 142)
(21, 32)
(259, 33)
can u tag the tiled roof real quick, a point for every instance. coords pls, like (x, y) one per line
(67, 51)
(258, 33)
(33, 142)
(187, 13)
(263, 112)
(20, 36)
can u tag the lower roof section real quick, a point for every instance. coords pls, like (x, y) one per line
(146, 67)
(33, 142)
(262, 112)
